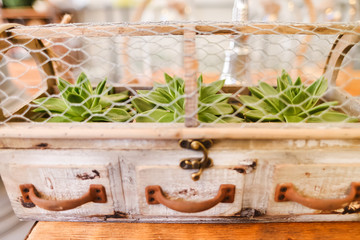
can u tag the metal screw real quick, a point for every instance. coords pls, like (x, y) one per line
(195, 145)
(283, 189)
(151, 192)
(98, 190)
(98, 198)
(183, 143)
(281, 197)
(26, 190)
(151, 199)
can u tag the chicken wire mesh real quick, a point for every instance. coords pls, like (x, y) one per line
(195, 73)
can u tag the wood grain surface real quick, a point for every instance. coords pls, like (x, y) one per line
(151, 29)
(287, 231)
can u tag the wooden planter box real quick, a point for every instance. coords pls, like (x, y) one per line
(264, 172)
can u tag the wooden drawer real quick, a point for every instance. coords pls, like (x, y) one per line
(143, 169)
(319, 180)
(63, 175)
(253, 170)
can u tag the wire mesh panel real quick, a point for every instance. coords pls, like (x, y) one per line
(197, 73)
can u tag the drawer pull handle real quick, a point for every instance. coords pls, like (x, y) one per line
(286, 192)
(155, 195)
(95, 194)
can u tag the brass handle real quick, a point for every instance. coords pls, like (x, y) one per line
(286, 192)
(95, 194)
(155, 195)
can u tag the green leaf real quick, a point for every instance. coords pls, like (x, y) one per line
(75, 101)
(217, 98)
(256, 115)
(271, 95)
(173, 105)
(168, 79)
(331, 117)
(108, 100)
(283, 82)
(98, 92)
(298, 82)
(171, 85)
(65, 88)
(65, 118)
(254, 103)
(157, 115)
(318, 108)
(50, 104)
(259, 94)
(209, 118)
(143, 93)
(232, 119)
(142, 105)
(315, 91)
(267, 89)
(281, 86)
(74, 98)
(293, 119)
(219, 109)
(211, 89)
(117, 115)
(84, 89)
(301, 97)
(180, 85)
(63, 85)
(297, 86)
(112, 115)
(84, 83)
(96, 109)
(286, 77)
(200, 81)
(157, 97)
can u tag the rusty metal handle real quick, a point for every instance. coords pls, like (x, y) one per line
(95, 194)
(155, 195)
(286, 192)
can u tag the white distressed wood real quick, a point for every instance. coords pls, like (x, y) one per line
(62, 175)
(147, 131)
(129, 171)
(177, 184)
(319, 181)
(136, 167)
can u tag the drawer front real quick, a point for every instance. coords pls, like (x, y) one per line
(177, 185)
(63, 175)
(318, 188)
(145, 169)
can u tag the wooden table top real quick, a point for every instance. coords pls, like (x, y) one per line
(144, 231)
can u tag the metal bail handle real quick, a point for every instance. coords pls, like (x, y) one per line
(197, 163)
(286, 192)
(96, 193)
(154, 195)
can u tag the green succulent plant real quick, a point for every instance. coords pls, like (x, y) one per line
(290, 102)
(166, 102)
(79, 102)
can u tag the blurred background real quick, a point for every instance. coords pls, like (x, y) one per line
(123, 10)
(222, 57)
